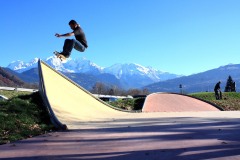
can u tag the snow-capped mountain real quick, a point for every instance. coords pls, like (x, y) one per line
(74, 65)
(21, 66)
(131, 75)
(121, 70)
(136, 75)
(130, 69)
(82, 66)
(200, 82)
(70, 65)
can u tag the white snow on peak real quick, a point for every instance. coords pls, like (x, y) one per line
(131, 69)
(21, 66)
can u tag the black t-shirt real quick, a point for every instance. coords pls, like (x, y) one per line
(80, 36)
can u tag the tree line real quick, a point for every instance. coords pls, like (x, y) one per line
(101, 88)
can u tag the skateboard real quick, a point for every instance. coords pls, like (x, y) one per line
(60, 56)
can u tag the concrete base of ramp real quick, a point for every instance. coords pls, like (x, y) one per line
(167, 102)
(147, 136)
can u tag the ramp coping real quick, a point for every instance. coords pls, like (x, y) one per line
(42, 92)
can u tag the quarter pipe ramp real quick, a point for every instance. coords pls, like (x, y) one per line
(71, 106)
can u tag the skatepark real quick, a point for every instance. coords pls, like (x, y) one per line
(170, 126)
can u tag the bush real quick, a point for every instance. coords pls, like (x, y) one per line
(138, 103)
(129, 104)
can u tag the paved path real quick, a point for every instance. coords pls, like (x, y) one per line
(181, 137)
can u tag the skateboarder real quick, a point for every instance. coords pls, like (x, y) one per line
(80, 43)
(217, 90)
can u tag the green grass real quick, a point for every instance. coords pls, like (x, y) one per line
(22, 116)
(230, 100)
(11, 94)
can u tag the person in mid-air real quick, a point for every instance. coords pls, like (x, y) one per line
(80, 43)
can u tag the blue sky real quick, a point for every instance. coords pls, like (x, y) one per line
(178, 36)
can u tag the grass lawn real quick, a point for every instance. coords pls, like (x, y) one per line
(230, 100)
(11, 94)
(22, 116)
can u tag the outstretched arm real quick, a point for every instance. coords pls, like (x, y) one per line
(64, 35)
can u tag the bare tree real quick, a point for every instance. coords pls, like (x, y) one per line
(99, 88)
(134, 92)
(145, 91)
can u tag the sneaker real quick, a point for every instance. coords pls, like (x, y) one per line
(62, 53)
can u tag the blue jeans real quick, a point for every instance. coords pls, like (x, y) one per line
(69, 44)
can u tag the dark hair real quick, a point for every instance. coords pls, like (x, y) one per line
(72, 22)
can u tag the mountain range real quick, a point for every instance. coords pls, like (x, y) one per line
(201, 82)
(9, 78)
(128, 75)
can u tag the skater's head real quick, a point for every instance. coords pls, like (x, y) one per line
(73, 24)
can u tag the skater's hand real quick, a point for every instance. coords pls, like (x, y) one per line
(57, 35)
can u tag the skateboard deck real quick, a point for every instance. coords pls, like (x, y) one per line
(60, 56)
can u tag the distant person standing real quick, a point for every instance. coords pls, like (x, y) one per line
(217, 90)
(80, 43)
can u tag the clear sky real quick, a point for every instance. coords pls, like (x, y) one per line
(177, 36)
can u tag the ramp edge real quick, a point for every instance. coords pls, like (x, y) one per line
(43, 94)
